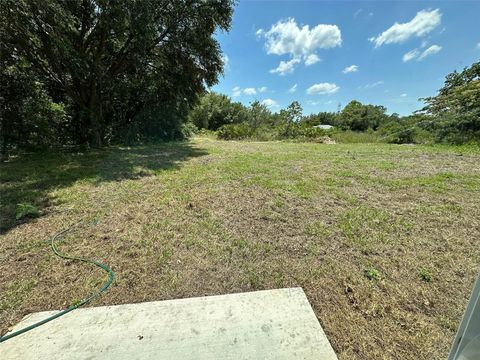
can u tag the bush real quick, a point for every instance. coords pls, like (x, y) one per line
(458, 130)
(235, 132)
(402, 135)
(29, 119)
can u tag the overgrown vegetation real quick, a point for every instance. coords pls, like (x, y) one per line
(453, 116)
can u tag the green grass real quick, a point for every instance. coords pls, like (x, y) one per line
(382, 238)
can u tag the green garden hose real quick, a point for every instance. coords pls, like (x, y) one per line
(105, 286)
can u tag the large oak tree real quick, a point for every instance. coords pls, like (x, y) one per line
(110, 59)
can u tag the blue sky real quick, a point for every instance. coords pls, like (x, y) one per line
(327, 53)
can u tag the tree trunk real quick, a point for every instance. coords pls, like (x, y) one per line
(95, 119)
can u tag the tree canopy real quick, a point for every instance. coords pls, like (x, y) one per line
(359, 117)
(456, 108)
(109, 62)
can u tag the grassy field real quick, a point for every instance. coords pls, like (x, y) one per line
(384, 239)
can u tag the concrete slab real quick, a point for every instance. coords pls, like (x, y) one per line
(271, 324)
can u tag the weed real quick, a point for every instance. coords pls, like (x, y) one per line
(26, 210)
(425, 275)
(164, 257)
(372, 274)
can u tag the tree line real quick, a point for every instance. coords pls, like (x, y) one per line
(453, 116)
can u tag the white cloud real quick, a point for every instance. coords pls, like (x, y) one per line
(270, 103)
(286, 37)
(424, 22)
(420, 55)
(236, 91)
(285, 67)
(350, 69)
(429, 51)
(357, 13)
(311, 102)
(403, 95)
(249, 91)
(477, 46)
(311, 59)
(372, 85)
(293, 89)
(323, 88)
(412, 54)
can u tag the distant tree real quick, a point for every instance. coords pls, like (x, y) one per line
(294, 112)
(322, 118)
(258, 114)
(358, 117)
(214, 110)
(290, 116)
(112, 59)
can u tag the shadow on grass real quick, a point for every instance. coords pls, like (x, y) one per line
(30, 178)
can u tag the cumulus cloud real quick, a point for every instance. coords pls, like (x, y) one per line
(293, 89)
(269, 103)
(322, 88)
(420, 55)
(478, 46)
(285, 67)
(350, 69)
(403, 95)
(262, 89)
(249, 91)
(424, 22)
(286, 37)
(311, 59)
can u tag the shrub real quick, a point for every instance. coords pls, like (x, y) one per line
(401, 135)
(235, 132)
